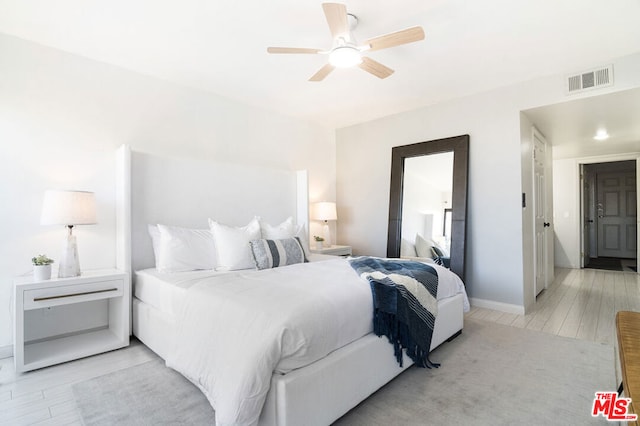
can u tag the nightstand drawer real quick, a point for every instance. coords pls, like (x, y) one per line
(63, 295)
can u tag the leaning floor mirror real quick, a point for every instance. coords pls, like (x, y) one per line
(428, 200)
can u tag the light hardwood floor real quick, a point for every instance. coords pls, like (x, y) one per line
(579, 304)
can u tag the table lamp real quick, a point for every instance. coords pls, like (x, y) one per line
(325, 211)
(68, 208)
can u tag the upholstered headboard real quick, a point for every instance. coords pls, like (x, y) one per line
(186, 192)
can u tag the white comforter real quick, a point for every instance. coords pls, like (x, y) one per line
(235, 330)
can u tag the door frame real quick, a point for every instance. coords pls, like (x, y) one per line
(587, 183)
(607, 159)
(548, 249)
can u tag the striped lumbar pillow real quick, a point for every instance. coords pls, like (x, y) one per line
(273, 253)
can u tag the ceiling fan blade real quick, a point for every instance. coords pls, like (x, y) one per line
(375, 68)
(292, 50)
(322, 73)
(336, 14)
(396, 39)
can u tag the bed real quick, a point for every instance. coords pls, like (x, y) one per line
(314, 390)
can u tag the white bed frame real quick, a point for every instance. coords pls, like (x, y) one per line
(156, 190)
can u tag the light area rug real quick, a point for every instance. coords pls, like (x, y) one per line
(496, 375)
(490, 375)
(147, 394)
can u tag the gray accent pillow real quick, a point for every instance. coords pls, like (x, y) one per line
(273, 253)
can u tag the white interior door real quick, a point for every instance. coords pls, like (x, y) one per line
(541, 225)
(548, 208)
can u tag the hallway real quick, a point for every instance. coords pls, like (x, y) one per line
(580, 303)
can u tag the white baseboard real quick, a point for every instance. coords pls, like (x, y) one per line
(6, 351)
(497, 306)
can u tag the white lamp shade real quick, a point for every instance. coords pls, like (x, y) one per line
(325, 211)
(68, 208)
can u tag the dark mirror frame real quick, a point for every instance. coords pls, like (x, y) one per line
(460, 147)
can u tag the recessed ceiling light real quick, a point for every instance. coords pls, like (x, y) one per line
(601, 135)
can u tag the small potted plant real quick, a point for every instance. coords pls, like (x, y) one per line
(319, 241)
(41, 267)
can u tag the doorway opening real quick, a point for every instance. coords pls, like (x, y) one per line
(609, 215)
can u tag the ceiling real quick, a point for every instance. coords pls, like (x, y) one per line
(220, 46)
(571, 126)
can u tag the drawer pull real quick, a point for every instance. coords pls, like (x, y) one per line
(38, 299)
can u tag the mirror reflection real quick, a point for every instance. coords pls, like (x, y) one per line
(426, 207)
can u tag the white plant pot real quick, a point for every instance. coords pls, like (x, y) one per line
(41, 272)
(318, 245)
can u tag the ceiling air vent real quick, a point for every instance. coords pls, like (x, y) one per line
(587, 80)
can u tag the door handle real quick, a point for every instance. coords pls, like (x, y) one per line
(546, 224)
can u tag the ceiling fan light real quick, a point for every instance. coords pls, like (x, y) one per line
(345, 57)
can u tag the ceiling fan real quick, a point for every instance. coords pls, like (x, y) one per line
(345, 52)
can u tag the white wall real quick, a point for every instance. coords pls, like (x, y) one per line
(494, 223)
(62, 117)
(566, 213)
(498, 255)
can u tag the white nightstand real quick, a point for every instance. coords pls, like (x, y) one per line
(63, 319)
(333, 250)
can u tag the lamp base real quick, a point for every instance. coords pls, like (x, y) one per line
(326, 235)
(69, 265)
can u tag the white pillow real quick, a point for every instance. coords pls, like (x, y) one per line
(185, 249)
(407, 249)
(423, 247)
(232, 245)
(303, 236)
(278, 232)
(154, 233)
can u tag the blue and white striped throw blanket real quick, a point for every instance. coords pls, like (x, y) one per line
(405, 306)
